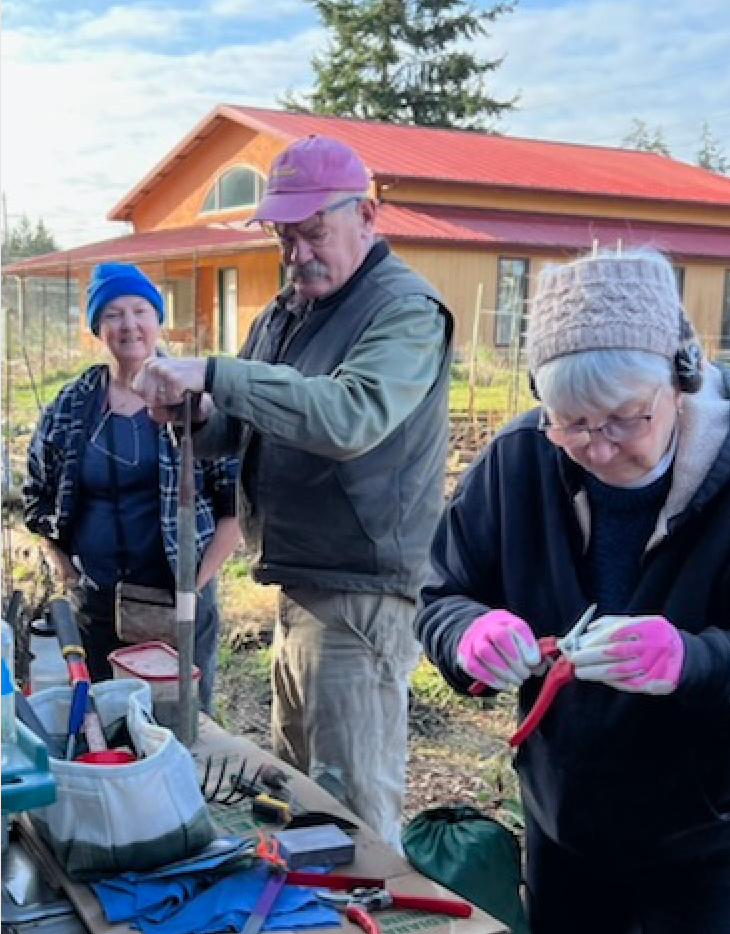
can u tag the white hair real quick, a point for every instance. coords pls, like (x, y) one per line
(600, 379)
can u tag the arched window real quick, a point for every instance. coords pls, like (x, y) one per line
(238, 187)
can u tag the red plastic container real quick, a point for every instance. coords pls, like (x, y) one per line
(107, 757)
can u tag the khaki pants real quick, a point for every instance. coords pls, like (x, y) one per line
(340, 697)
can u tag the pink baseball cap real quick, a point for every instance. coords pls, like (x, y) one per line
(304, 174)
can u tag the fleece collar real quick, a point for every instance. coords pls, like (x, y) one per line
(702, 461)
(703, 432)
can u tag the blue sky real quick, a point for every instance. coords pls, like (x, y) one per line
(93, 93)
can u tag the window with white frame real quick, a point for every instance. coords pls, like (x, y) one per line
(238, 187)
(512, 273)
(177, 294)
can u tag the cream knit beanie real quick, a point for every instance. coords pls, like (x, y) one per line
(627, 301)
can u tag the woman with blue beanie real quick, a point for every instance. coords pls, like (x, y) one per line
(101, 486)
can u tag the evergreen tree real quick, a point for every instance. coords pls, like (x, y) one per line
(405, 61)
(25, 239)
(710, 155)
(642, 137)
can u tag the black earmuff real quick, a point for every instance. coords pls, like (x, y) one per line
(688, 359)
(688, 367)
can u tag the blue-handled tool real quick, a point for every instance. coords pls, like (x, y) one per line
(76, 715)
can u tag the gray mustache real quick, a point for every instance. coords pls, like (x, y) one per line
(311, 270)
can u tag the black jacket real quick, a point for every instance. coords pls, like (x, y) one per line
(606, 771)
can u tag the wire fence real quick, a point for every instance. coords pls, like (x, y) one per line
(42, 348)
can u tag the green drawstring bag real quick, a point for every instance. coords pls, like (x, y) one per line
(471, 854)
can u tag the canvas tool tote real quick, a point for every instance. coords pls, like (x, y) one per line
(108, 819)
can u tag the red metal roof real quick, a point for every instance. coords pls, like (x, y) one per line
(392, 151)
(140, 247)
(443, 224)
(486, 158)
(408, 222)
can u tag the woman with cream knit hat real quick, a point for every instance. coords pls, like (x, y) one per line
(614, 491)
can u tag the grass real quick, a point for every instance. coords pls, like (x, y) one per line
(256, 663)
(428, 686)
(239, 594)
(22, 388)
(492, 397)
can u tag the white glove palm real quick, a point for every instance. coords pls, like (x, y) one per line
(640, 654)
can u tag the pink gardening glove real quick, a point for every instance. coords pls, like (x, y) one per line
(499, 650)
(641, 654)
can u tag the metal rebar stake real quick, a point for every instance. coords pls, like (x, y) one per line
(185, 583)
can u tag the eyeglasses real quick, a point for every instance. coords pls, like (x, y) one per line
(315, 234)
(617, 428)
(99, 439)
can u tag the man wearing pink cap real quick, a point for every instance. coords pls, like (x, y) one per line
(337, 405)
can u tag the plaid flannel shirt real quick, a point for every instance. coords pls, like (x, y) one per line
(50, 490)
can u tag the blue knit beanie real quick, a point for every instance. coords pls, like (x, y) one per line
(109, 281)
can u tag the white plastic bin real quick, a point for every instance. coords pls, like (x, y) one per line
(158, 664)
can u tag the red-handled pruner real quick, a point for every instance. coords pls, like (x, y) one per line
(556, 652)
(358, 903)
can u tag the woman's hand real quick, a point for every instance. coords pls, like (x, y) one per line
(640, 654)
(225, 539)
(499, 650)
(60, 564)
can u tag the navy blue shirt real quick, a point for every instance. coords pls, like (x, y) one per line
(622, 519)
(128, 447)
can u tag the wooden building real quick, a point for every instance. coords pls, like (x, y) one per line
(477, 213)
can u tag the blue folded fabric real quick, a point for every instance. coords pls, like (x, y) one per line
(206, 903)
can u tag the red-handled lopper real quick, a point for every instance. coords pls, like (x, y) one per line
(358, 904)
(556, 651)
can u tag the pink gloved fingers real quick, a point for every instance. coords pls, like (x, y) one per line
(635, 654)
(498, 649)
(493, 672)
(486, 675)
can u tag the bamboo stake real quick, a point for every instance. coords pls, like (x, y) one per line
(473, 358)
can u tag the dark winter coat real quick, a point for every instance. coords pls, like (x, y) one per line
(606, 772)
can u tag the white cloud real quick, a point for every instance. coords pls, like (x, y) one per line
(85, 129)
(133, 24)
(587, 70)
(254, 10)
